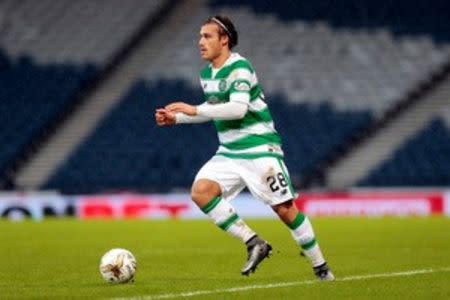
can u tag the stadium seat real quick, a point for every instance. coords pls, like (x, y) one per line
(328, 72)
(46, 58)
(422, 161)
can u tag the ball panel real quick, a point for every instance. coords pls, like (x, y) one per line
(118, 266)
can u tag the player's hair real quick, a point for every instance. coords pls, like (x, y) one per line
(226, 27)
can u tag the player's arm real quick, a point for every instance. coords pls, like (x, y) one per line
(167, 117)
(237, 107)
(181, 117)
(226, 111)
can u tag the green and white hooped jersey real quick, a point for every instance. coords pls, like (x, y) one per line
(254, 135)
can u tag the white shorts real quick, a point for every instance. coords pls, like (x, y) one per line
(267, 178)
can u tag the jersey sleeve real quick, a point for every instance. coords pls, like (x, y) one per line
(224, 111)
(240, 85)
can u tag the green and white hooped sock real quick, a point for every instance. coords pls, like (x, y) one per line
(303, 234)
(226, 218)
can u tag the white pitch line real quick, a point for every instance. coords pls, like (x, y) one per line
(282, 284)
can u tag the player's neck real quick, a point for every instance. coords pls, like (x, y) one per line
(220, 60)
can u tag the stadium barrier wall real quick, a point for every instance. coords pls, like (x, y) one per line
(38, 205)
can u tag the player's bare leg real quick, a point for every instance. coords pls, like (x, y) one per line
(203, 190)
(207, 195)
(303, 234)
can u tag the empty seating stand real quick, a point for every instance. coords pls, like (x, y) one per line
(49, 50)
(128, 150)
(423, 160)
(328, 70)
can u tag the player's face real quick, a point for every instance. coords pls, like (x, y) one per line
(211, 43)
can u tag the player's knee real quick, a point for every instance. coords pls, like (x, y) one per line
(204, 190)
(285, 210)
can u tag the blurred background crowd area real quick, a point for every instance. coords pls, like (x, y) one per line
(359, 90)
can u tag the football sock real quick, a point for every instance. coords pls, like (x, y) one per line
(226, 218)
(303, 234)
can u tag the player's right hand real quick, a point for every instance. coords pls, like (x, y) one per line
(164, 117)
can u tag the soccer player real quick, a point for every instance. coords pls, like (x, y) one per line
(249, 153)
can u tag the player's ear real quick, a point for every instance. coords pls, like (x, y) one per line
(224, 39)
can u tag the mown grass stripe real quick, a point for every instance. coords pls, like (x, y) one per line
(275, 285)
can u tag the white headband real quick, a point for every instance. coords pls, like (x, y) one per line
(221, 25)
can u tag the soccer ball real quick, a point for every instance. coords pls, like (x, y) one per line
(118, 266)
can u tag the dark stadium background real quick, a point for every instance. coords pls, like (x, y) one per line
(359, 90)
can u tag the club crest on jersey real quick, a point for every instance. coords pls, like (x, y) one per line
(222, 85)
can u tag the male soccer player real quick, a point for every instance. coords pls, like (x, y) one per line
(249, 153)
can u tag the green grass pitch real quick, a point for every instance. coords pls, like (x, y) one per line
(372, 258)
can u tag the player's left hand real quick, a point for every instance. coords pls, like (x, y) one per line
(182, 107)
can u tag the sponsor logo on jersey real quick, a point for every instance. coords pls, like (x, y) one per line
(242, 86)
